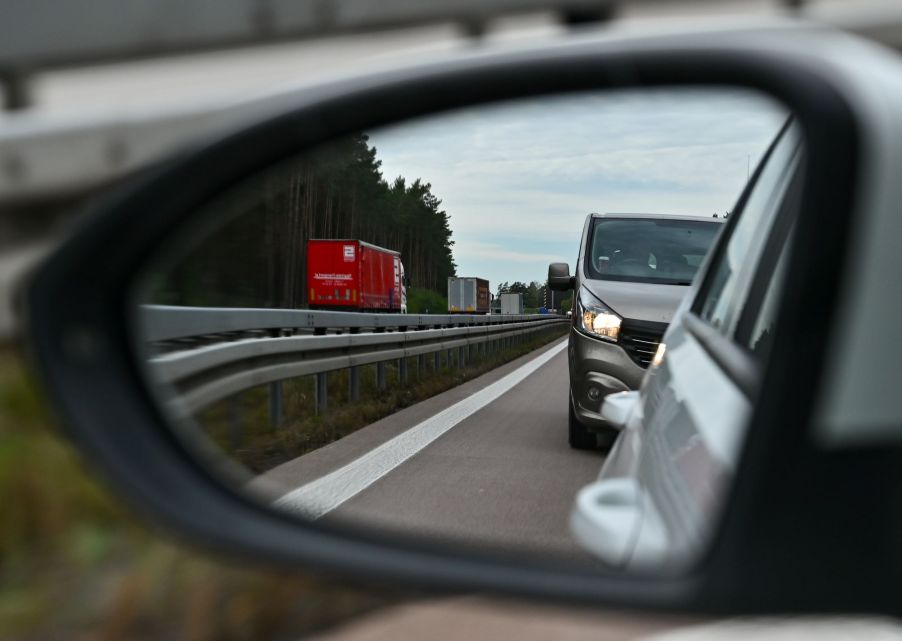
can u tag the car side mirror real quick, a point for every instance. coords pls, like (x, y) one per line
(617, 408)
(176, 334)
(559, 278)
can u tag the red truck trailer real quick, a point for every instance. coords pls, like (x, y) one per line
(352, 275)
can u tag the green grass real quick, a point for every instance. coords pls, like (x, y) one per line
(425, 301)
(241, 428)
(75, 565)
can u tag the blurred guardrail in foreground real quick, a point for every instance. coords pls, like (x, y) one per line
(53, 161)
(205, 355)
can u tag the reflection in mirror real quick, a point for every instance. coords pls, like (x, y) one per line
(363, 334)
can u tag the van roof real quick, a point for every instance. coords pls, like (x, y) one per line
(709, 219)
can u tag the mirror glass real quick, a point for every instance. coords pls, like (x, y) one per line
(362, 334)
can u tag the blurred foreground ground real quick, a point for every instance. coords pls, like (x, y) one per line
(475, 619)
(74, 564)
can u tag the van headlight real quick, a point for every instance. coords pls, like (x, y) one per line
(596, 318)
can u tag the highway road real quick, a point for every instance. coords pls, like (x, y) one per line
(485, 464)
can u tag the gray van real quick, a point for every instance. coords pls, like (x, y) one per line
(632, 272)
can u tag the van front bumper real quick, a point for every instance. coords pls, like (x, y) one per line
(598, 368)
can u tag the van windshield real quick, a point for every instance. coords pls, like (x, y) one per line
(648, 250)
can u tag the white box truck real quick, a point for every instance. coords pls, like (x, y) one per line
(511, 303)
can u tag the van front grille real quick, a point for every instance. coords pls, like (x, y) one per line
(640, 340)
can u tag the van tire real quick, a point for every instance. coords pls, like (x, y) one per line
(579, 437)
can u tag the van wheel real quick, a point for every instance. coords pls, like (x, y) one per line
(606, 438)
(580, 437)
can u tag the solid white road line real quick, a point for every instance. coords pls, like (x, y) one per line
(323, 495)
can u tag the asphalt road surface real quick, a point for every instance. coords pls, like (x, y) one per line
(499, 477)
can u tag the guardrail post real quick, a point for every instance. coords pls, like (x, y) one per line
(275, 404)
(235, 431)
(438, 360)
(380, 376)
(402, 370)
(421, 366)
(462, 356)
(450, 358)
(354, 383)
(321, 393)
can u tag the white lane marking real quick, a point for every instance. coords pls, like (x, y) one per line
(323, 495)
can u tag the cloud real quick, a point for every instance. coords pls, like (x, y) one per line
(498, 252)
(519, 177)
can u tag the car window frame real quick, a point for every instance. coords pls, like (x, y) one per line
(737, 362)
(718, 256)
(775, 248)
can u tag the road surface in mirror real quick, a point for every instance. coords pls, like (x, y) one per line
(497, 472)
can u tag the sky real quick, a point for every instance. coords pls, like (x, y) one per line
(518, 179)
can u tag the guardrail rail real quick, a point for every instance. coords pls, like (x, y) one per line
(204, 355)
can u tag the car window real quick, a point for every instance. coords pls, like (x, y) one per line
(721, 300)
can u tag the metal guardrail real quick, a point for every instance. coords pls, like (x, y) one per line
(170, 322)
(202, 375)
(108, 31)
(55, 161)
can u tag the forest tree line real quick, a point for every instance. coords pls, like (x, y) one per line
(258, 257)
(533, 293)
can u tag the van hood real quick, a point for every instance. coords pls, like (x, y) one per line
(638, 301)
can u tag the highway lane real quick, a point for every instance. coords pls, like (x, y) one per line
(501, 478)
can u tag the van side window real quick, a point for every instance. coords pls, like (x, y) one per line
(722, 297)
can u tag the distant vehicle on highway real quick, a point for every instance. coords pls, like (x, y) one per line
(468, 295)
(352, 275)
(632, 272)
(511, 303)
(683, 430)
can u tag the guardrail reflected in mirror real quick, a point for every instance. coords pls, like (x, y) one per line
(364, 334)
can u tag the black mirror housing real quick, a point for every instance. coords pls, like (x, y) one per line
(559, 278)
(84, 350)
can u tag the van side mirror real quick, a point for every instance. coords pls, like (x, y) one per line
(559, 278)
